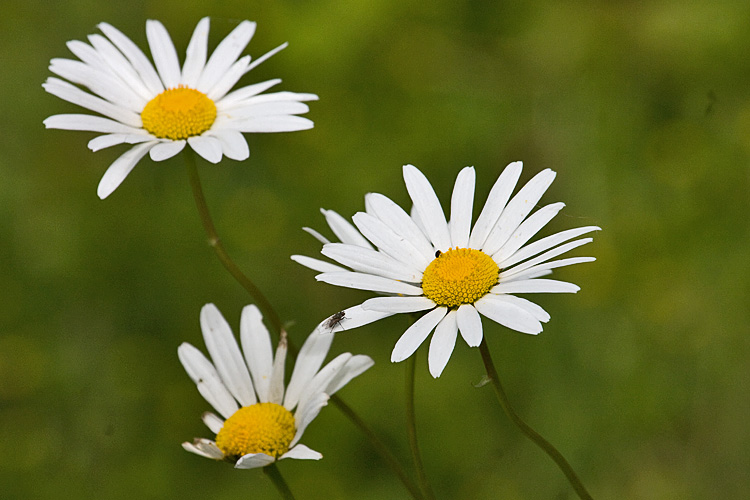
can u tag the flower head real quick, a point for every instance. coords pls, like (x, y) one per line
(257, 422)
(161, 107)
(452, 271)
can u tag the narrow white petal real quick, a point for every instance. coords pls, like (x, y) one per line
(535, 286)
(271, 124)
(120, 169)
(527, 230)
(389, 242)
(195, 58)
(399, 221)
(517, 209)
(276, 387)
(371, 262)
(362, 281)
(534, 309)
(267, 55)
(398, 304)
(264, 109)
(354, 317)
(113, 59)
(354, 367)
(228, 79)
(256, 346)
(309, 360)
(344, 230)
(212, 421)
(312, 232)
(254, 461)
(136, 57)
(301, 452)
(442, 343)
(225, 55)
(274, 98)
(73, 94)
(166, 149)
(317, 265)
(303, 416)
(205, 448)
(322, 379)
(546, 243)
(241, 94)
(427, 204)
(508, 315)
(203, 373)
(469, 324)
(109, 140)
(100, 81)
(206, 146)
(89, 123)
(462, 204)
(416, 334)
(513, 275)
(495, 204)
(233, 143)
(164, 53)
(226, 355)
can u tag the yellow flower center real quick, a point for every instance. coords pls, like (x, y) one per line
(459, 276)
(178, 113)
(261, 428)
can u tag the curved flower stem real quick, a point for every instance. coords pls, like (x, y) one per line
(215, 242)
(526, 429)
(270, 313)
(276, 478)
(380, 447)
(411, 427)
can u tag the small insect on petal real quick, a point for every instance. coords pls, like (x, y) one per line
(335, 320)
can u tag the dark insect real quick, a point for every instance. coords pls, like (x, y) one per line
(335, 320)
(438, 253)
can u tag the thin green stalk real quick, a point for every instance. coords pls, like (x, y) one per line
(278, 480)
(550, 450)
(270, 313)
(411, 428)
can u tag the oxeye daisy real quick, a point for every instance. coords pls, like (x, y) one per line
(449, 270)
(257, 423)
(161, 107)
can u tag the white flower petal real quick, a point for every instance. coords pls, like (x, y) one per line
(534, 309)
(136, 57)
(276, 387)
(469, 324)
(164, 53)
(109, 140)
(206, 146)
(317, 265)
(212, 421)
(321, 380)
(427, 204)
(354, 317)
(108, 56)
(254, 461)
(398, 304)
(225, 54)
(399, 221)
(312, 232)
(233, 143)
(371, 262)
(226, 355)
(546, 243)
(462, 204)
(542, 268)
(120, 169)
(228, 79)
(241, 94)
(416, 334)
(508, 315)
(195, 58)
(203, 373)
(304, 415)
(389, 242)
(100, 81)
(309, 360)
(495, 204)
(535, 286)
(73, 94)
(301, 452)
(269, 124)
(362, 281)
(89, 123)
(256, 346)
(165, 150)
(205, 448)
(517, 209)
(527, 230)
(267, 55)
(442, 343)
(343, 230)
(353, 368)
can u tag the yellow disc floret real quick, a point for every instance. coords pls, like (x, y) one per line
(459, 276)
(178, 113)
(260, 428)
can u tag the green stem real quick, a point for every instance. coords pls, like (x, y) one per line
(528, 431)
(278, 480)
(270, 313)
(213, 239)
(411, 428)
(379, 446)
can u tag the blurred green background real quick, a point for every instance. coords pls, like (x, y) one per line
(641, 379)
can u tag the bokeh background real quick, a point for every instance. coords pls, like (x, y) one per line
(641, 379)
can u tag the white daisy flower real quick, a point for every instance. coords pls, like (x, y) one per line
(449, 270)
(255, 426)
(160, 107)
